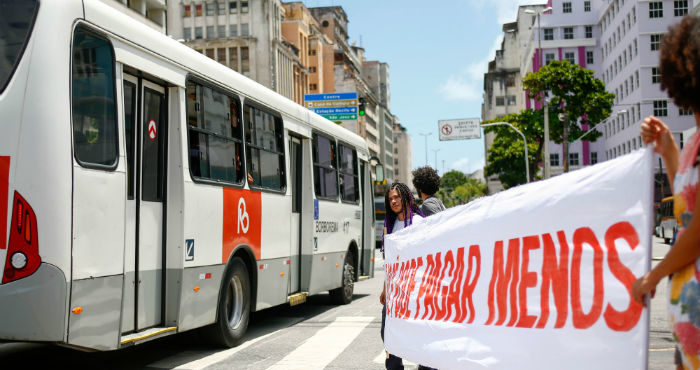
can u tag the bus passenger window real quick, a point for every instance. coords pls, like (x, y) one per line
(93, 100)
(215, 136)
(349, 189)
(325, 168)
(264, 149)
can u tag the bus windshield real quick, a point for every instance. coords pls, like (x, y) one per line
(16, 22)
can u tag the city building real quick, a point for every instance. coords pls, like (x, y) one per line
(243, 35)
(503, 92)
(568, 31)
(298, 27)
(149, 12)
(377, 76)
(403, 155)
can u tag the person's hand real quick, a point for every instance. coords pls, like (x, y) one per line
(655, 131)
(641, 287)
(382, 297)
(250, 179)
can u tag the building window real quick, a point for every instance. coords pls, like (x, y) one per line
(244, 6)
(233, 58)
(187, 33)
(589, 57)
(313, 87)
(210, 8)
(680, 8)
(198, 9)
(586, 6)
(655, 41)
(198, 32)
(567, 7)
(233, 29)
(635, 47)
(548, 58)
(222, 7)
(244, 29)
(188, 11)
(660, 108)
(222, 31)
(209, 53)
(554, 159)
(233, 7)
(221, 55)
(655, 75)
(312, 52)
(685, 112)
(570, 57)
(500, 101)
(656, 9)
(589, 32)
(312, 69)
(573, 159)
(264, 138)
(215, 135)
(549, 34)
(510, 100)
(245, 61)
(568, 33)
(210, 32)
(594, 157)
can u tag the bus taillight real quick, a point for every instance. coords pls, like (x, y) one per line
(23, 249)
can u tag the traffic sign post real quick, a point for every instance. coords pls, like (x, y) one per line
(459, 129)
(337, 107)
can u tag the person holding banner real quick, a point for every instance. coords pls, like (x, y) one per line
(427, 183)
(403, 212)
(680, 75)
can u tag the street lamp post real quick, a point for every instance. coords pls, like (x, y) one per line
(527, 165)
(545, 147)
(436, 151)
(426, 145)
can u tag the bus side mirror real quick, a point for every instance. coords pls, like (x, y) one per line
(379, 174)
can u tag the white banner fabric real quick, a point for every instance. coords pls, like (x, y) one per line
(535, 277)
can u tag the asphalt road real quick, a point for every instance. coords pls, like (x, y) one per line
(316, 335)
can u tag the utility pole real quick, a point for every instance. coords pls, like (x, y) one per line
(564, 118)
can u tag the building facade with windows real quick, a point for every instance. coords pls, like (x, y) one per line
(630, 41)
(240, 34)
(403, 155)
(152, 13)
(569, 31)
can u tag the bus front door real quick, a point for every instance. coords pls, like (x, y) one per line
(295, 164)
(146, 138)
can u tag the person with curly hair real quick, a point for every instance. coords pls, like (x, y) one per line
(427, 183)
(680, 75)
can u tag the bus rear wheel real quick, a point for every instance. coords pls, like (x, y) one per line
(343, 294)
(233, 312)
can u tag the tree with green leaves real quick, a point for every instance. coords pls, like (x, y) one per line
(577, 94)
(456, 188)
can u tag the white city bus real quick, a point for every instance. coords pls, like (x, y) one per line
(147, 190)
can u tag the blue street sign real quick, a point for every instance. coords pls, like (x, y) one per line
(341, 110)
(336, 96)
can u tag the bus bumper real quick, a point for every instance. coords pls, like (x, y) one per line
(34, 308)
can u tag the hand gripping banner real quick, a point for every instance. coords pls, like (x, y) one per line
(536, 277)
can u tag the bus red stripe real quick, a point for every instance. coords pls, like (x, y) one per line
(4, 180)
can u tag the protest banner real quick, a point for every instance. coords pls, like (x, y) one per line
(535, 277)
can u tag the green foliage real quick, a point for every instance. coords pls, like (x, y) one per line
(456, 188)
(575, 92)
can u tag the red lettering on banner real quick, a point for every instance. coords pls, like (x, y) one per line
(580, 319)
(500, 276)
(627, 319)
(4, 186)
(528, 279)
(452, 300)
(556, 274)
(428, 285)
(440, 298)
(468, 291)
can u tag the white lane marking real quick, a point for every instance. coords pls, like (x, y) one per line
(381, 357)
(214, 358)
(324, 346)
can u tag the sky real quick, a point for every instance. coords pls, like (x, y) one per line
(438, 52)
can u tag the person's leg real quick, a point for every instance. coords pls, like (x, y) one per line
(392, 362)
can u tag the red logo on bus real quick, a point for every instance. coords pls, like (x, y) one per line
(152, 130)
(242, 215)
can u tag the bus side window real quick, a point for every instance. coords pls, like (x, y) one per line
(325, 167)
(215, 136)
(264, 149)
(93, 101)
(349, 189)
